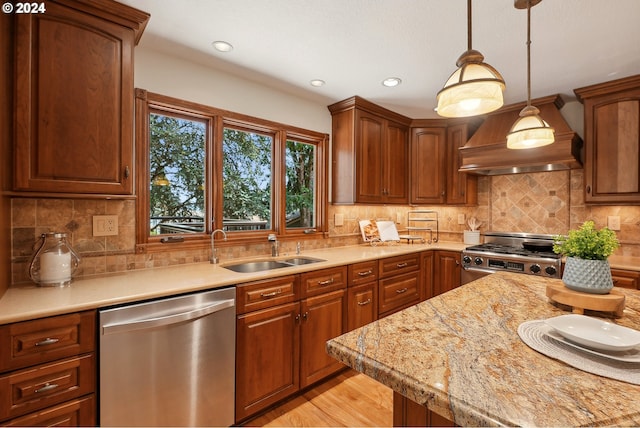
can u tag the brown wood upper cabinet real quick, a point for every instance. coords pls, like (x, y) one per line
(612, 141)
(74, 98)
(435, 160)
(370, 153)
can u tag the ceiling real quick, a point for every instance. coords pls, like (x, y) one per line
(354, 44)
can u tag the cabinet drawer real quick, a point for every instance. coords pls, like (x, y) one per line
(34, 342)
(398, 293)
(625, 278)
(361, 273)
(399, 264)
(323, 281)
(75, 413)
(266, 294)
(35, 388)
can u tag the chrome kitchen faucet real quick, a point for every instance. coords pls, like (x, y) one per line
(214, 251)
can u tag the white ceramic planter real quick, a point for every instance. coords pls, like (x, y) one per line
(588, 276)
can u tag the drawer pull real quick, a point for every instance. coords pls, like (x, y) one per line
(402, 290)
(327, 282)
(47, 341)
(272, 294)
(369, 272)
(401, 265)
(46, 387)
(366, 302)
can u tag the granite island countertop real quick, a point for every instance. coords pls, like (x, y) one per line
(460, 355)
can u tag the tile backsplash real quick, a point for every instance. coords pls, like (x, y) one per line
(546, 202)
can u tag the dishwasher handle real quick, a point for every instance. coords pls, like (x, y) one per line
(167, 320)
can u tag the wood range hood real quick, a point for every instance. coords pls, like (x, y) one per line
(486, 152)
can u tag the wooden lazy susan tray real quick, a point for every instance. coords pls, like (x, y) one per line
(578, 301)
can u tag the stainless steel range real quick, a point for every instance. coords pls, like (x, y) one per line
(524, 253)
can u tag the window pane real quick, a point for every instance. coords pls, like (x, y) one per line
(177, 177)
(300, 182)
(246, 175)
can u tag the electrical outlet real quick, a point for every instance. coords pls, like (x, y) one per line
(105, 225)
(613, 222)
(338, 219)
(461, 219)
(398, 218)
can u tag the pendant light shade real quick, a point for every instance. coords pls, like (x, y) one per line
(474, 88)
(530, 130)
(161, 179)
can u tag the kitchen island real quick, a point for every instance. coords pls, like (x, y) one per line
(459, 355)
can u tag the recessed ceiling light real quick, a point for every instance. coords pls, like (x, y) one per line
(317, 83)
(390, 82)
(222, 46)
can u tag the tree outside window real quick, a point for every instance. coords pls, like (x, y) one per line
(207, 168)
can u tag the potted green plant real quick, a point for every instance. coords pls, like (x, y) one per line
(586, 250)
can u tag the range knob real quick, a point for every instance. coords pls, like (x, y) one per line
(466, 260)
(535, 268)
(478, 261)
(551, 270)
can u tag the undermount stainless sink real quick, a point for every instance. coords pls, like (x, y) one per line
(258, 266)
(302, 260)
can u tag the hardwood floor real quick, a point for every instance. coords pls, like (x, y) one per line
(347, 400)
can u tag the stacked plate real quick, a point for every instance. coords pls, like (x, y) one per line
(595, 336)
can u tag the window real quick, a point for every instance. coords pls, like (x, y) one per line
(200, 169)
(176, 167)
(247, 165)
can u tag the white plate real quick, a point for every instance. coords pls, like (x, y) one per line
(594, 333)
(629, 356)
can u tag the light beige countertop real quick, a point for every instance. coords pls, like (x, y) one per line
(624, 262)
(460, 355)
(24, 302)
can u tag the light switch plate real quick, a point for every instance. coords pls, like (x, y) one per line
(613, 222)
(398, 218)
(105, 225)
(338, 219)
(461, 219)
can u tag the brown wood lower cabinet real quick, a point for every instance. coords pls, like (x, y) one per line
(626, 278)
(447, 270)
(280, 348)
(361, 305)
(48, 371)
(323, 318)
(267, 357)
(74, 413)
(400, 283)
(407, 413)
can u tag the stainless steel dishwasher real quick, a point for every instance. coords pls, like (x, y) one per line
(169, 362)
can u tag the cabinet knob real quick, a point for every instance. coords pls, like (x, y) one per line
(305, 316)
(588, 188)
(127, 173)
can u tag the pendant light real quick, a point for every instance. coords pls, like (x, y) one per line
(474, 88)
(161, 179)
(530, 130)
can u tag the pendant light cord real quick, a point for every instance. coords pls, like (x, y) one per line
(528, 52)
(468, 25)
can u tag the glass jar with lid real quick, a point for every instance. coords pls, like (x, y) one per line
(54, 262)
